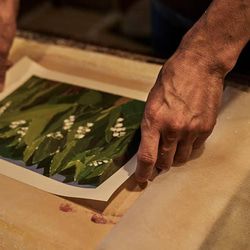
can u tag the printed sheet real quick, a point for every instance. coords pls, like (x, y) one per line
(68, 135)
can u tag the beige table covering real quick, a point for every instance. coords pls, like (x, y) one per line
(204, 204)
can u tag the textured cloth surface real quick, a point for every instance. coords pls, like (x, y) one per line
(203, 204)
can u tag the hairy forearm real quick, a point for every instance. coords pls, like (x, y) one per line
(220, 34)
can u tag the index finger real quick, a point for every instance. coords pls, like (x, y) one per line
(147, 153)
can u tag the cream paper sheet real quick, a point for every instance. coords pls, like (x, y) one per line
(203, 204)
(16, 76)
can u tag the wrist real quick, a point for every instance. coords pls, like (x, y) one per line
(198, 59)
(219, 36)
(214, 54)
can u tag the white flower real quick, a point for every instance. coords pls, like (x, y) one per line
(4, 107)
(16, 124)
(79, 136)
(72, 118)
(115, 134)
(98, 163)
(118, 125)
(118, 129)
(21, 130)
(68, 123)
(57, 135)
(120, 120)
(83, 130)
(90, 124)
(122, 134)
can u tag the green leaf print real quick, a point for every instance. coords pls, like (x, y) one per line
(80, 134)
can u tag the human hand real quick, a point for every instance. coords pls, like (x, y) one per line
(8, 11)
(180, 112)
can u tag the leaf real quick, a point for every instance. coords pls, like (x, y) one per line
(35, 129)
(8, 134)
(62, 158)
(56, 121)
(133, 107)
(109, 170)
(4, 124)
(108, 100)
(84, 169)
(74, 161)
(45, 111)
(90, 98)
(48, 147)
(31, 148)
(19, 97)
(44, 95)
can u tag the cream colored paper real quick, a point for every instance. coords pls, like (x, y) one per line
(16, 76)
(204, 204)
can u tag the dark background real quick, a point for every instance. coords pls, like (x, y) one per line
(117, 24)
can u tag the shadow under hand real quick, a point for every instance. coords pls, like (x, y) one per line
(196, 153)
(130, 190)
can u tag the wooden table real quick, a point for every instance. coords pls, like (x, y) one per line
(33, 219)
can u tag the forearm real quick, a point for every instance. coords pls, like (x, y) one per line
(220, 34)
(8, 13)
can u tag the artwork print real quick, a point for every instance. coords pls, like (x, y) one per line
(72, 134)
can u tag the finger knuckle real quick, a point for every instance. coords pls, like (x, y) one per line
(193, 127)
(175, 129)
(202, 127)
(150, 114)
(150, 120)
(145, 159)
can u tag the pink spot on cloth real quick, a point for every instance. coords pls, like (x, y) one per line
(66, 208)
(99, 219)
